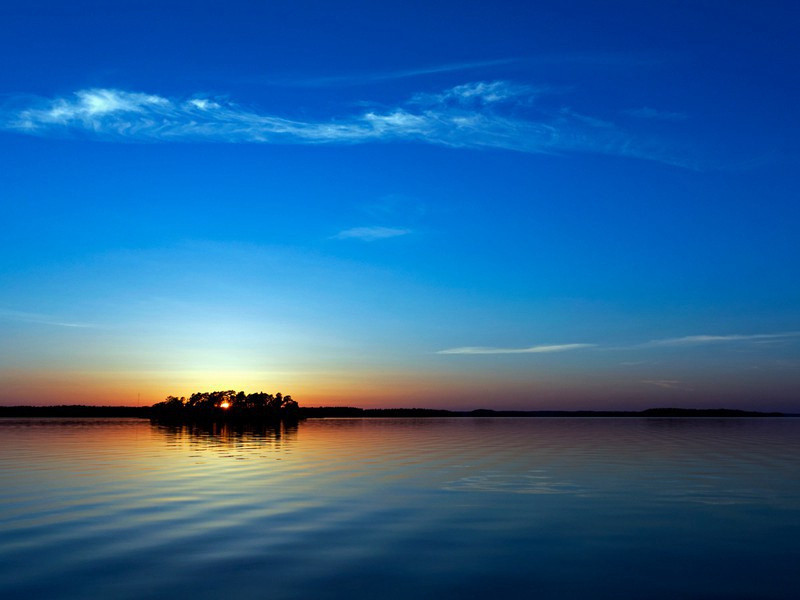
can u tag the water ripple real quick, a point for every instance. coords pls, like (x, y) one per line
(552, 508)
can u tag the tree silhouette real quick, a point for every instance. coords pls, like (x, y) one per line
(226, 405)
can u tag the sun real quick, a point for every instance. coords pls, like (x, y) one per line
(224, 404)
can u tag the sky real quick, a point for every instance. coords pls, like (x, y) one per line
(508, 205)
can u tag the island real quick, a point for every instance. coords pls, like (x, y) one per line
(228, 405)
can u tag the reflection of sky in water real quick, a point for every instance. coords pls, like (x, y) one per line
(400, 508)
(532, 483)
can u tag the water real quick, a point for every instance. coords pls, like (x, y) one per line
(434, 508)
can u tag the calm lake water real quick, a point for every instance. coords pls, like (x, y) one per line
(396, 508)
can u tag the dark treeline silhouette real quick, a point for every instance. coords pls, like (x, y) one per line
(73, 411)
(350, 412)
(228, 405)
(208, 406)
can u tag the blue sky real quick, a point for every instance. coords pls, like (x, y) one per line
(455, 204)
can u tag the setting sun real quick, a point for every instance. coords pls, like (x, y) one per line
(396, 299)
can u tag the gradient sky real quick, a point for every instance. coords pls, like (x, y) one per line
(543, 205)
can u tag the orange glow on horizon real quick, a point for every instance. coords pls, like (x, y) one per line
(365, 389)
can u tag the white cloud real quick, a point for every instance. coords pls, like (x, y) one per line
(691, 340)
(480, 93)
(370, 234)
(473, 115)
(89, 108)
(694, 340)
(529, 350)
(203, 104)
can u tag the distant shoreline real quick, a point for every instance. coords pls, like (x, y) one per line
(82, 411)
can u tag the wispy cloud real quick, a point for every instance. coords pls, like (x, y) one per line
(529, 350)
(367, 78)
(481, 93)
(370, 234)
(41, 319)
(668, 384)
(495, 114)
(695, 340)
(686, 341)
(594, 59)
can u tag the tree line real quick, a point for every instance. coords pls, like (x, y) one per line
(228, 404)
